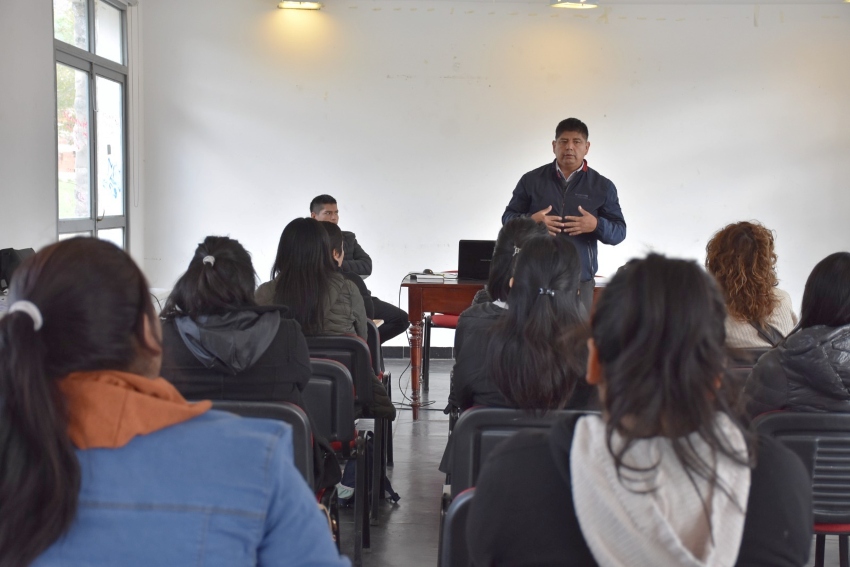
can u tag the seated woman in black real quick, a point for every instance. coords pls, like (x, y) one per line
(665, 477)
(531, 355)
(810, 369)
(218, 344)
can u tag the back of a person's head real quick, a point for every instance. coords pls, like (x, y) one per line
(303, 269)
(741, 257)
(319, 202)
(335, 238)
(826, 297)
(511, 238)
(92, 302)
(658, 330)
(220, 278)
(537, 352)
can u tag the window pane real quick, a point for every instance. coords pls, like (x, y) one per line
(107, 31)
(72, 114)
(70, 22)
(67, 235)
(110, 147)
(113, 235)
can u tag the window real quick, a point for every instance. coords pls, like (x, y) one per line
(91, 115)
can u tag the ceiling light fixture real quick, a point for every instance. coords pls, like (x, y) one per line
(575, 4)
(295, 5)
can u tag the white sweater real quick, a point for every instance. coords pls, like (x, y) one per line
(740, 334)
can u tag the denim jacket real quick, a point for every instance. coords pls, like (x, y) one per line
(217, 490)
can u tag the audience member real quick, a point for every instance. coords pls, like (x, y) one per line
(742, 259)
(665, 476)
(534, 334)
(218, 344)
(355, 260)
(305, 279)
(810, 370)
(103, 463)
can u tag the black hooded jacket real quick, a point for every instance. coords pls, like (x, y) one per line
(252, 354)
(809, 371)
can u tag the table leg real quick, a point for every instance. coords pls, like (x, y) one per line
(415, 361)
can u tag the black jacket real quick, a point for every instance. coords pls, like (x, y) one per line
(523, 512)
(808, 371)
(356, 260)
(596, 194)
(254, 354)
(470, 384)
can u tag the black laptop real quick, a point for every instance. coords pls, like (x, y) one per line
(473, 259)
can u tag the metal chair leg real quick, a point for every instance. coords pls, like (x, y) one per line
(361, 502)
(842, 551)
(820, 542)
(378, 448)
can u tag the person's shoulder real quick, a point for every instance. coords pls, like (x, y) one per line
(778, 465)
(348, 235)
(544, 170)
(265, 293)
(598, 177)
(488, 310)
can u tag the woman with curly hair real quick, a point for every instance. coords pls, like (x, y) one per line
(742, 259)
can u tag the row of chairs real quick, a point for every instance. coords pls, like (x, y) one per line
(820, 440)
(341, 382)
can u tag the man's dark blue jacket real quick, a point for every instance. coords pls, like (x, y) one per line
(544, 186)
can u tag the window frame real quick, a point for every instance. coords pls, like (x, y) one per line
(96, 66)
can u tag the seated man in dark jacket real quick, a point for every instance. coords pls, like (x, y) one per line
(356, 261)
(810, 370)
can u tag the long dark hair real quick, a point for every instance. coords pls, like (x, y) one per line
(303, 269)
(94, 301)
(511, 237)
(535, 354)
(222, 283)
(826, 297)
(335, 239)
(659, 331)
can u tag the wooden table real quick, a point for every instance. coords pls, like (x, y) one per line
(449, 296)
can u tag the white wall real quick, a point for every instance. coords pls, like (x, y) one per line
(419, 117)
(27, 125)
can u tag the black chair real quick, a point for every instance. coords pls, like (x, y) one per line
(302, 437)
(479, 430)
(453, 549)
(353, 353)
(739, 366)
(329, 397)
(822, 441)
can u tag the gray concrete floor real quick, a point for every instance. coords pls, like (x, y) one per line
(408, 532)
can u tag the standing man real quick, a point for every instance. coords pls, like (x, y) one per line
(357, 261)
(572, 200)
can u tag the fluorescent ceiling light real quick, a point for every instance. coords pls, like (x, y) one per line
(294, 5)
(576, 4)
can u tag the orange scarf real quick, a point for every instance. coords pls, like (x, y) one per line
(107, 408)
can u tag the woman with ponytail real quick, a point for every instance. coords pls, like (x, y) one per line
(104, 463)
(536, 350)
(218, 344)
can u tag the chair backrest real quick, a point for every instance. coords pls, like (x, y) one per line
(329, 397)
(373, 339)
(351, 352)
(479, 430)
(453, 549)
(302, 436)
(822, 441)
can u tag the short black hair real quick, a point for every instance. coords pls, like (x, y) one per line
(826, 297)
(318, 203)
(572, 125)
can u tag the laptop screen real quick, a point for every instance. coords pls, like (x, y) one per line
(473, 259)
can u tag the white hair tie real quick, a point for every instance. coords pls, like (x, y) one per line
(30, 309)
(210, 260)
